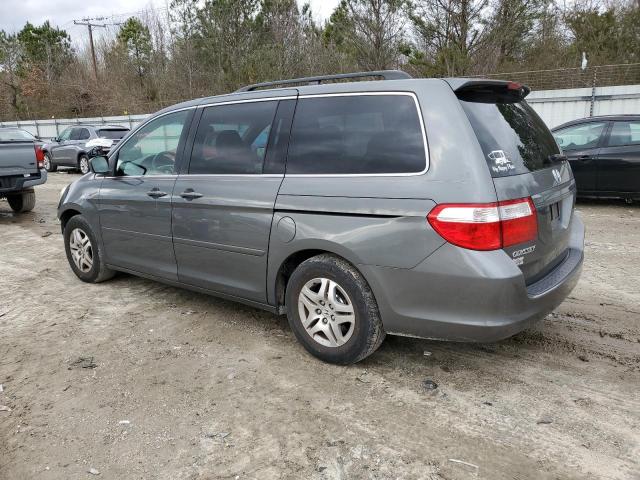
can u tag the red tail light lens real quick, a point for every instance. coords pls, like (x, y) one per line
(39, 156)
(486, 226)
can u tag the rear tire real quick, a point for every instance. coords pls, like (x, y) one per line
(334, 288)
(23, 201)
(49, 167)
(83, 251)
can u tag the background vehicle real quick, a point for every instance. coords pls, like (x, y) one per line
(21, 168)
(69, 148)
(604, 153)
(347, 220)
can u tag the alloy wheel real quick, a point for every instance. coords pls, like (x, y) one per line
(84, 165)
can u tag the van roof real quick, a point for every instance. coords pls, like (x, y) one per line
(391, 80)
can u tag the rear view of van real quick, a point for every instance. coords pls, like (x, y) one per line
(474, 240)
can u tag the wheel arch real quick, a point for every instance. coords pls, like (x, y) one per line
(81, 154)
(287, 266)
(67, 215)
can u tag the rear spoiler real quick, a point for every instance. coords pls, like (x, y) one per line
(488, 91)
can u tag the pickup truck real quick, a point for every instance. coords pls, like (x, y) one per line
(21, 168)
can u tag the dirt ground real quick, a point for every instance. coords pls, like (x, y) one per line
(133, 379)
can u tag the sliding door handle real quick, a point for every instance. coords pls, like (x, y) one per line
(156, 193)
(189, 194)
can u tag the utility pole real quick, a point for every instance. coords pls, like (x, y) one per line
(90, 26)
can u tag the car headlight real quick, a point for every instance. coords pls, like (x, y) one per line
(62, 192)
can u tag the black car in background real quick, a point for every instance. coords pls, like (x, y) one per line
(604, 153)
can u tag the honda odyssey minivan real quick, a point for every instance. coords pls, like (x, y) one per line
(434, 208)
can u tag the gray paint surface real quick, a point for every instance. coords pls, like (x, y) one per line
(233, 240)
(18, 159)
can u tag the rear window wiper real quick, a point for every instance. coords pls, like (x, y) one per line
(555, 158)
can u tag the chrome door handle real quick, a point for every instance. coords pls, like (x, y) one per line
(156, 193)
(190, 194)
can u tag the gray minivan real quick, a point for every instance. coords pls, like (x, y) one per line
(435, 208)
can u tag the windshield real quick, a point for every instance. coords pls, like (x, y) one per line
(513, 137)
(17, 134)
(112, 133)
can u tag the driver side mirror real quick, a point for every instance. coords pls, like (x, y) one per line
(99, 165)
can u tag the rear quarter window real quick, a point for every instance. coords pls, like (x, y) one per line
(624, 133)
(514, 139)
(357, 134)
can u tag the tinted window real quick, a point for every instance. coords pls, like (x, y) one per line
(112, 134)
(514, 139)
(152, 150)
(356, 135)
(232, 139)
(66, 133)
(80, 134)
(8, 135)
(625, 133)
(580, 137)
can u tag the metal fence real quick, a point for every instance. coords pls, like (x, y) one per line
(559, 106)
(554, 106)
(564, 78)
(52, 127)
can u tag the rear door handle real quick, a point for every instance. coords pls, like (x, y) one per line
(156, 193)
(189, 194)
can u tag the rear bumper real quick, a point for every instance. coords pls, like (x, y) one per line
(24, 183)
(464, 295)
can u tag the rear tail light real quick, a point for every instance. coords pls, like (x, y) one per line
(39, 156)
(486, 226)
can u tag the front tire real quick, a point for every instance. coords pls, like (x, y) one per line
(48, 166)
(83, 164)
(23, 201)
(83, 251)
(332, 310)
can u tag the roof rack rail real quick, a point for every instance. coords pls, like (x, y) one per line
(385, 74)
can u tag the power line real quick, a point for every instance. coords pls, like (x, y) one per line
(90, 26)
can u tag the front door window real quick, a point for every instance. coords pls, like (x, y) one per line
(152, 150)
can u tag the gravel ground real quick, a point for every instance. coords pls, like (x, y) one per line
(133, 379)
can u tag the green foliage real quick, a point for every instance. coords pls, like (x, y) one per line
(208, 47)
(44, 44)
(609, 36)
(135, 39)
(10, 54)
(339, 26)
(369, 32)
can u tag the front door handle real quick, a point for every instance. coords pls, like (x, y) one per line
(156, 193)
(189, 194)
(584, 158)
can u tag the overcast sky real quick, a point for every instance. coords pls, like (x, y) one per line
(15, 13)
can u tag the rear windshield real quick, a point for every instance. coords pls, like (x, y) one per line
(513, 137)
(11, 135)
(112, 133)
